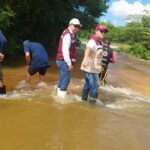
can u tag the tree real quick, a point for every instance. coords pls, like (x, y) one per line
(136, 33)
(44, 21)
(6, 16)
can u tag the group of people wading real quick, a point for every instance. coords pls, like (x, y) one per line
(97, 56)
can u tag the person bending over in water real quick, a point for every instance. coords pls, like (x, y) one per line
(37, 60)
(3, 46)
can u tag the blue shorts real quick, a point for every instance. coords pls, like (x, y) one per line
(34, 70)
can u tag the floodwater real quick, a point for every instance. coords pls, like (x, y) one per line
(34, 118)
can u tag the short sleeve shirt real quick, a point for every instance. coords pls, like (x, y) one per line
(92, 44)
(3, 43)
(94, 59)
(39, 56)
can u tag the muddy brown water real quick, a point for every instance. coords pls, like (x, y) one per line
(35, 118)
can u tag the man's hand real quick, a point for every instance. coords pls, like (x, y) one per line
(27, 58)
(1, 57)
(70, 67)
(85, 62)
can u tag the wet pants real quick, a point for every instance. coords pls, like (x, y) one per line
(91, 85)
(64, 75)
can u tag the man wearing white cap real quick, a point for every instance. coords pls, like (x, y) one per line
(66, 55)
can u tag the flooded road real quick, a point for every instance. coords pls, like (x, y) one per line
(34, 118)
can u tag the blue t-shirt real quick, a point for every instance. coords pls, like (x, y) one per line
(3, 43)
(39, 56)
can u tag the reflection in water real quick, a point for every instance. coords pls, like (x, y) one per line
(34, 118)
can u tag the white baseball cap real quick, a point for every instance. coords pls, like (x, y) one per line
(75, 21)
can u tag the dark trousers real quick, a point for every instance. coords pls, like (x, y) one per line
(103, 75)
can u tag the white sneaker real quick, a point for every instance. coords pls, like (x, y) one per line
(61, 94)
(58, 89)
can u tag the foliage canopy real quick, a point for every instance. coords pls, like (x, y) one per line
(44, 20)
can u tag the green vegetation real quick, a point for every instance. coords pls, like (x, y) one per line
(44, 20)
(134, 38)
(6, 14)
(136, 34)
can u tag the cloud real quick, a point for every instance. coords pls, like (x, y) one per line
(114, 22)
(123, 8)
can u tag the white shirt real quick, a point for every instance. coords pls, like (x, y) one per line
(66, 43)
(92, 44)
(94, 58)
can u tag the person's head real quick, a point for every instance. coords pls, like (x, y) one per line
(75, 24)
(25, 42)
(106, 42)
(100, 31)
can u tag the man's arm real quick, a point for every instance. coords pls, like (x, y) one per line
(3, 46)
(65, 50)
(113, 58)
(86, 55)
(1, 57)
(27, 58)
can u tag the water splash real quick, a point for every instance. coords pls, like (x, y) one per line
(22, 84)
(24, 91)
(124, 97)
(117, 97)
(18, 95)
(70, 97)
(42, 85)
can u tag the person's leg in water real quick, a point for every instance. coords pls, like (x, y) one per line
(64, 78)
(59, 81)
(2, 86)
(94, 85)
(28, 78)
(85, 91)
(30, 73)
(42, 72)
(103, 75)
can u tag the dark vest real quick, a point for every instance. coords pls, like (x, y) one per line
(72, 48)
(107, 55)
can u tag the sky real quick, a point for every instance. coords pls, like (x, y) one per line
(119, 9)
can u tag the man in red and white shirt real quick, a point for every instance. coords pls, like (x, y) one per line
(66, 55)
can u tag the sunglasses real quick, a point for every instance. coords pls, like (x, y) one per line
(102, 31)
(77, 26)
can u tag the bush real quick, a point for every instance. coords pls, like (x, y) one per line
(140, 51)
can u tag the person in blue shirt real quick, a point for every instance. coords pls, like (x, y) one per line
(3, 46)
(37, 60)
